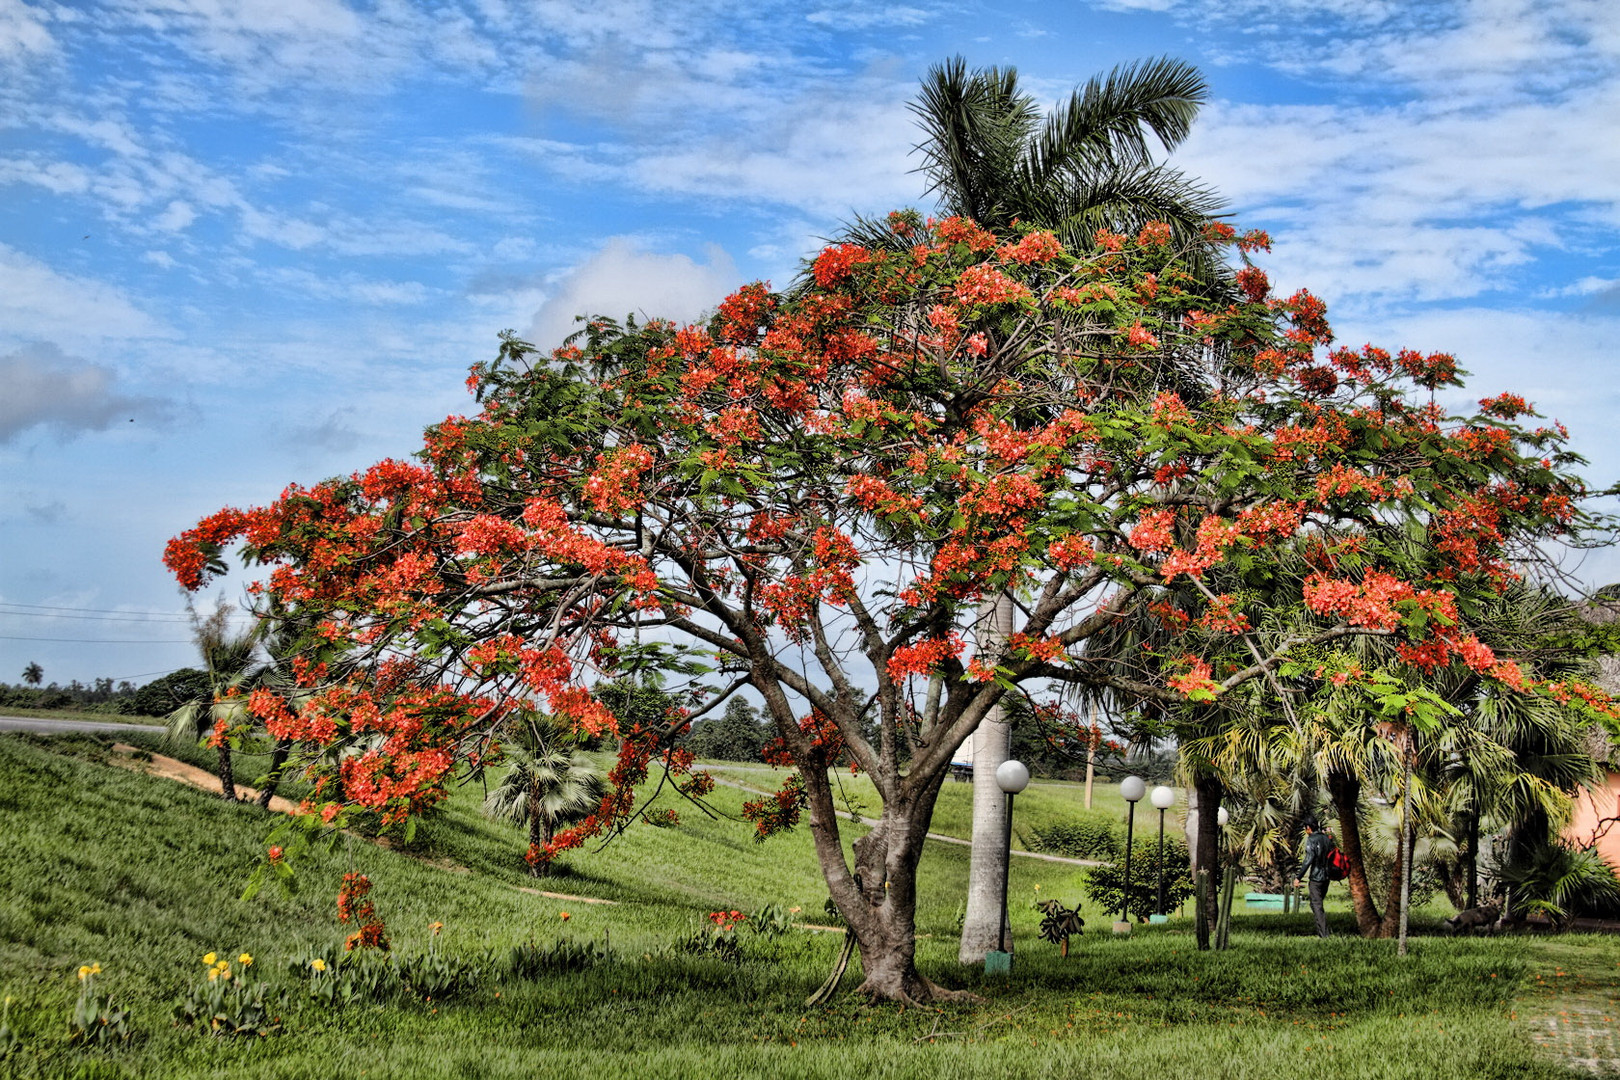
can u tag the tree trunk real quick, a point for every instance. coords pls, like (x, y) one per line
(272, 779)
(982, 924)
(1208, 851)
(1473, 860)
(1345, 790)
(878, 899)
(227, 779)
(537, 837)
(1391, 925)
(885, 931)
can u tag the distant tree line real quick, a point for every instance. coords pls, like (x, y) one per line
(157, 698)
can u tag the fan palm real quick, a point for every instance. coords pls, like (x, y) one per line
(230, 657)
(549, 786)
(990, 156)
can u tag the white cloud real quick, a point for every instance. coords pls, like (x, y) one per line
(176, 217)
(22, 32)
(867, 18)
(56, 177)
(46, 387)
(620, 279)
(39, 303)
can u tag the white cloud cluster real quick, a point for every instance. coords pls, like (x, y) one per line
(621, 279)
(44, 387)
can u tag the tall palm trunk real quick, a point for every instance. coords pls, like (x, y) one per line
(272, 779)
(227, 779)
(539, 833)
(1345, 790)
(983, 929)
(1207, 853)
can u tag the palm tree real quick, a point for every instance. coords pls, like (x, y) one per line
(230, 658)
(33, 674)
(550, 784)
(989, 155)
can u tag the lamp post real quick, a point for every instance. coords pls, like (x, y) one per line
(1011, 777)
(1162, 799)
(1132, 788)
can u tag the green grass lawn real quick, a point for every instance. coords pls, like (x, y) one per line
(143, 876)
(1043, 803)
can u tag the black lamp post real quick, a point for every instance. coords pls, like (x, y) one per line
(1132, 788)
(1162, 798)
(1011, 777)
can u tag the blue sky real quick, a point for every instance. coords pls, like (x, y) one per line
(247, 242)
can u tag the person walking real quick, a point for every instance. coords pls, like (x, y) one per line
(1314, 867)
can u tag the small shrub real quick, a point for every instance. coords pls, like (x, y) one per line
(97, 1019)
(719, 939)
(434, 975)
(226, 1004)
(772, 920)
(530, 960)
(1082, 838)
(1379, 864)
(1106, 884)
(1060, 923)
(1560, 883)
(356, 977)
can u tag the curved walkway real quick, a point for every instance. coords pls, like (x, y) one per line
(1572, 1009)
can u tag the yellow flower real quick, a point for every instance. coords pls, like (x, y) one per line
(224, 969)
(213, 973)
(95, 969)
(436, 927)
(210, 958)
(318, 964)
(245, 960)
(84, 972)
(1037, 888)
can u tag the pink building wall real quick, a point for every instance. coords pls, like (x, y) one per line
(1592, 805)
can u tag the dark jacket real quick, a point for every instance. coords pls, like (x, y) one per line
(1313, 862)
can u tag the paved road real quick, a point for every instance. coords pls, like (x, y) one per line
(42, 726)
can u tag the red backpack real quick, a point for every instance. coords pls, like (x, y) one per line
(1338, 863)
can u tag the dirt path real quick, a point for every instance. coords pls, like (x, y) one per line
(1571, 1007)
(170, 769)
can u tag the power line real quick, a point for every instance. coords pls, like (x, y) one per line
(103, 641)
(156, 620)
(109, 611)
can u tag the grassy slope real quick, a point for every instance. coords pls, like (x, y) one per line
(142, 875)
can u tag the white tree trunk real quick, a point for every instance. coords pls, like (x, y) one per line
(1190, 829)
(982, 925)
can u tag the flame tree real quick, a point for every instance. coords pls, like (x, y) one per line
(813, 497)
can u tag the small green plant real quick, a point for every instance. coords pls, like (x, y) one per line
(1560, 883)
(227, 1004)
(772, 921)
(359, 976)
(10, 1042)
(97, 1020)
(530, 960)
(661, 817)
(433, 975)
(719, 939)
(1060, 923)
(836, 917)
